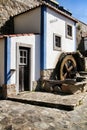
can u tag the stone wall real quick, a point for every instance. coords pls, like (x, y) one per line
(47, 74)
(81, 31)
(8, 90)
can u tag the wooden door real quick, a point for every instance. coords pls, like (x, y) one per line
(24, 69)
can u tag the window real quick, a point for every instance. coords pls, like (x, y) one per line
(68, 31)
(57, 42)
(23, 57)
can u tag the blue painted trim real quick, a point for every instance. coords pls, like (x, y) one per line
(75, 36)
(7, 60)
(43, 37)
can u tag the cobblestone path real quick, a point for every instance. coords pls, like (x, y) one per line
(19, 116)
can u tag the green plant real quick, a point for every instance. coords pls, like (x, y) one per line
(79, 27)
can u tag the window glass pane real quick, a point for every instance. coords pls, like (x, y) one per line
(24, 53)
(21, 53)
(24, 60)
(58, 44)
(69, 30)
(58, 41)
(23, 57)
(21, 60)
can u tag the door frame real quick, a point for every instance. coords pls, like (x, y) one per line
(17, 65)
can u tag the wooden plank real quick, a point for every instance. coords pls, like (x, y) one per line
(69, 86)
(68, 81)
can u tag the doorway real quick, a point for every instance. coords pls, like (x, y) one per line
(24, 69)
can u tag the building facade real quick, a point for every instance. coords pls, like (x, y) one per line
(41, 34)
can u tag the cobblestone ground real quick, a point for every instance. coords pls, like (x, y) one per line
(19, 116)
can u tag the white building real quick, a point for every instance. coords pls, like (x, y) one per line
(41, 34)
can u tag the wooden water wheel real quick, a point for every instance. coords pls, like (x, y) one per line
(67, 67)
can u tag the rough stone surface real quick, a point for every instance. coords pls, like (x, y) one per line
(7, 90)
(10, 8)
(67, 86)
(50, 99)
(47, 74)
(81, 31)
(19, 116)
(11, 89)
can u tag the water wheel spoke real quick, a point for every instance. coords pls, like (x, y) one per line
(66, 66)
(70, 68)
(65, 75)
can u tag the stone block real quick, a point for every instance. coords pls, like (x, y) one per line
(8, 90)
(46, 74)
(11, 89)
(73, 89)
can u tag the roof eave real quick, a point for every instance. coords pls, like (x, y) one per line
(51, 7)
(62, 13)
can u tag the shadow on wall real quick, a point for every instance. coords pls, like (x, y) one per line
(8, 27)
(81, 47)
(3, 92)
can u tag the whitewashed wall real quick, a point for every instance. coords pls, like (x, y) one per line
(1, 62)
(56, 23)
(28, 22)
(33, 42)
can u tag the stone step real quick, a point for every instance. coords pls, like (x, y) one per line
(63, 102)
